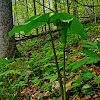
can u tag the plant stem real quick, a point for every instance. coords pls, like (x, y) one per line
(59, 75)
(64, 74)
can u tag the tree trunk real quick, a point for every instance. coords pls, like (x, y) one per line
(44, 13)
(6, 24)
(68, 7)
(74, 9)
(55, 5)
(35, 13)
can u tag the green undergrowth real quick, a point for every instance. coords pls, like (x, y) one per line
(37, 64)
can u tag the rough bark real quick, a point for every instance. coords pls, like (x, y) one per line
(6, 24)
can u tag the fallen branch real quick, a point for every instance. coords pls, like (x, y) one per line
(38, 35)
(47, 32)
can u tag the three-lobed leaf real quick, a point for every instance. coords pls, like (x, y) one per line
(33, 22)
(75, 28)
(39, 20)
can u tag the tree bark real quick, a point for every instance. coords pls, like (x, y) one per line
(68, 7)
(74, 9)
(6, 24)
(55, 5)
(35, 13)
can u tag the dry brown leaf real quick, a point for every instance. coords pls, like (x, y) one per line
(68, 84)
(86, 97)
(97, 98)
(25, 91)
(76, 97)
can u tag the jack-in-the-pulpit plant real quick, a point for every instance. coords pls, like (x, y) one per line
(66, 22)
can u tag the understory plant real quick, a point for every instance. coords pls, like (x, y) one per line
(66, 23)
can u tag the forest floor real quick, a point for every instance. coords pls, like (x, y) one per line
(35, 93)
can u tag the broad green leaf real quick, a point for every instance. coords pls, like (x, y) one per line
(91, 61)
(31, 18)
(89, 45)
(75, 28)
(36, 22)
(98, 44)
(79, 64)
(91, 54)
(71, 65)
(97, 79)
(60, 16)
(86, 86)
(17, 29)
(53, 78)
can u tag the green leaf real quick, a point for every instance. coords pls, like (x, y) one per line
(36, 22)
(49, 64)
(91, 61)
(88, 75)
(79, 64)
(17, 29)
(10, 72)
(21, 83)
(86, 86)
(97, 79)
(45, 86)
(98, 44)
(91, 54)
(53, 78)
(74, 85)
(31, 18)
(71, 65)
(75, 28)
(58, 1)
(89, 45)
(1, 83)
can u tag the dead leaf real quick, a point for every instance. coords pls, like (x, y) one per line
(86, 97)
(76, 97)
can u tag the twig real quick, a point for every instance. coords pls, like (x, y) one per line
(45, 6)
(90, 6)
(38, 35)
